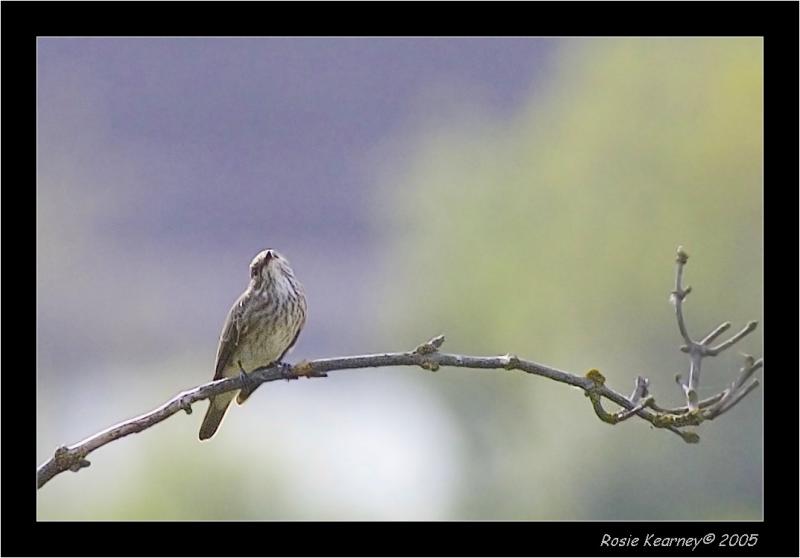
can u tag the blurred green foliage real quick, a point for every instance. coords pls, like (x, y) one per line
(552, 234)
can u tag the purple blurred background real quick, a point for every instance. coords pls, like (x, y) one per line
(198, 153)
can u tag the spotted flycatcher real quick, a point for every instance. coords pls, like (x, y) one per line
(261, 327)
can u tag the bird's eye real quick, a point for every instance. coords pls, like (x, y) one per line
(254, 272)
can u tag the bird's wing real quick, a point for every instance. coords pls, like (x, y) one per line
(230, 337)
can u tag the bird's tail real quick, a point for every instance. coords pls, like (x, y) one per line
(244, 393)
(214, 415)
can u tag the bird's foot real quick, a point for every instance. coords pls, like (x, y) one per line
(185, 404)
(247, 382)
(286, 371)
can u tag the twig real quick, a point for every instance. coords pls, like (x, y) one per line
(700, 349)
(714, 351)
(427, 356)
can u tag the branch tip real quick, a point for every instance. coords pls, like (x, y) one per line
(640, 390)
(431, 346)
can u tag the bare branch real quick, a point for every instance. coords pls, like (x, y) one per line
(679, 294)
(628, 413)
(714, 351)
(728, 402)
(427, 356)
(699, 350)
(640, 390)
(720, 329)
(681, 410)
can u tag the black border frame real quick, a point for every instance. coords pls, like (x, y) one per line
(24, 21)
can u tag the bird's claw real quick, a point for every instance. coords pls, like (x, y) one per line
(243, 377)
(286, 371)
(185, 404)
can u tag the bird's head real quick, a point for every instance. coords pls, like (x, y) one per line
(268, 266)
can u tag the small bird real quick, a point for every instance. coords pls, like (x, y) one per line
(261, 327)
